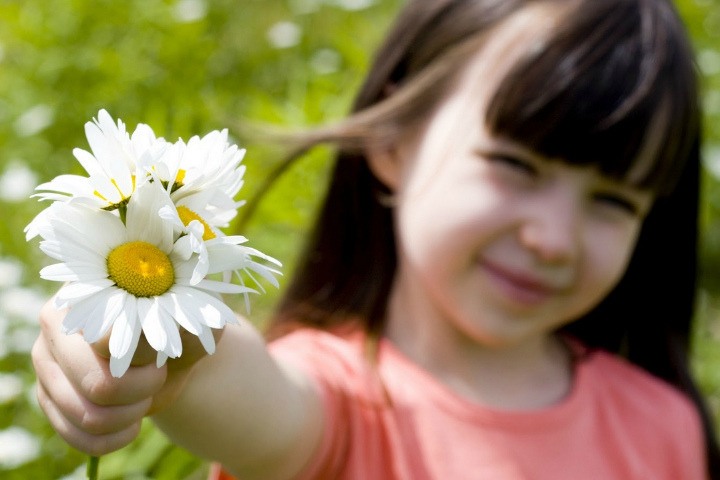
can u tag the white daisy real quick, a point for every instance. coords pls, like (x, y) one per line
(112, 165)
(130, 277)
(208, 165)
(217, 253)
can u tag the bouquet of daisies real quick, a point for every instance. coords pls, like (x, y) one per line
(138, 237)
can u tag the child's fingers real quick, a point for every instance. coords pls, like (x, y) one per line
(86, 407)
(90, 443)
(86, 416)
(144, 353)
(88, 372)
(91, 428)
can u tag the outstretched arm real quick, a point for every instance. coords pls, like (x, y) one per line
(240, 407)
(264, 418)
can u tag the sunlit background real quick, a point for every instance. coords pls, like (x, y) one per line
(185, 68)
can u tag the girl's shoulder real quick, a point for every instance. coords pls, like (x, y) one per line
(656, 419)
(339, 360)
(345, 344)
(636, 395)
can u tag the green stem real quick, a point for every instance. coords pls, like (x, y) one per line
(92, 468)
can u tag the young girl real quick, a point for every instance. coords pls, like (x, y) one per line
(500, 284)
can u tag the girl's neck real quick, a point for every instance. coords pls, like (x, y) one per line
(530, 374)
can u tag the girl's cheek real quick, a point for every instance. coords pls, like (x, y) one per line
(610, 249)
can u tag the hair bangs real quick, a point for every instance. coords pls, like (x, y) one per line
(615, 88)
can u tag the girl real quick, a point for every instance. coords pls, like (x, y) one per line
(487, 292)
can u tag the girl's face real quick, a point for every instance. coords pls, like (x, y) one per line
(495, 241)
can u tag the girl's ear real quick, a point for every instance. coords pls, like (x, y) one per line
(385, 164)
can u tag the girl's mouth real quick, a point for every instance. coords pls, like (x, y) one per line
(519, 287)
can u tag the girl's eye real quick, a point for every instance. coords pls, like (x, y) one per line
(515, 163)
(619, 202)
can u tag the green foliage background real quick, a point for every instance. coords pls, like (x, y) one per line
(185, 68)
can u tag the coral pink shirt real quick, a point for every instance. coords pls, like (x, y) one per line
(395, 421)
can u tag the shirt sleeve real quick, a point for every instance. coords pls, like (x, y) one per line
(343, 379)
(692, 454)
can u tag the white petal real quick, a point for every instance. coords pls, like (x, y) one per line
(228, 239)
(113, 305)
(84, 314)
(50, 197)
(110, 146)
(88, 162)
(169, 213)
(202, 267)
(204, 308)
(222, 287)
(169, 302)
(76, 271)
(160, 330)
(197, 201)
(72, 293)
(104, 186)
(183, 248)
(173, 348)
(149, 314)
(120, 364)
(70, 252)
(143, 138)
(265, 272)
(258, 253)
(143, 221)
(242, 282)
(73, 322)
(207, 340)
(222, 257)
(195, 231)
(95, 230)
(126, 330)
(161, 359)
(68, 184)
(184, 268)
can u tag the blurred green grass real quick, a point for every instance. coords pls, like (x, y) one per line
(185, 68)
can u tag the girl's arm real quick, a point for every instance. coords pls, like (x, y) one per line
(259, 418)
(240, 407)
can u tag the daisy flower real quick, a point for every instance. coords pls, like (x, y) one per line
(217, 253)
(131, 277)
(208, 164)
(111, 166)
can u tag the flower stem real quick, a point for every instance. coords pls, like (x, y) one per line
(92, 468)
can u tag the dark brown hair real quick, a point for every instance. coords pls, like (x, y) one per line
(614, 86)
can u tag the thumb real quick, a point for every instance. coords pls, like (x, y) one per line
(179, 369)
(144, 354)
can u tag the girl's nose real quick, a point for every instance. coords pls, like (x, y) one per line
(552, 230)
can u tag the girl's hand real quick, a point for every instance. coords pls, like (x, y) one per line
(89, 408)
(241, 390)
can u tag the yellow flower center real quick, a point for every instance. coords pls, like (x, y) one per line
(187, 216)
(141, 269)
